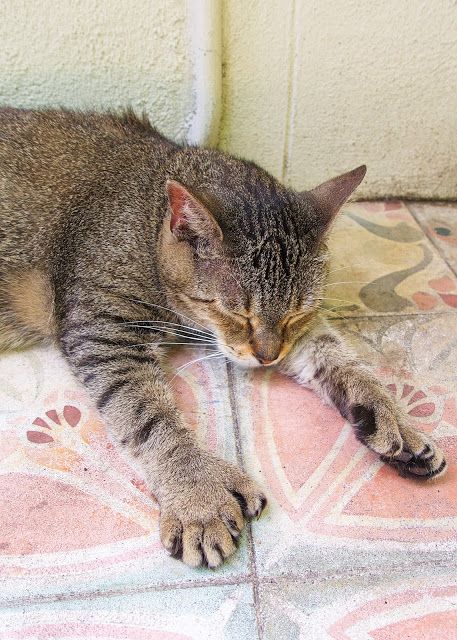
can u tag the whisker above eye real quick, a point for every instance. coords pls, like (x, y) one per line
(337, 299)
(332, 284)
(351, 266)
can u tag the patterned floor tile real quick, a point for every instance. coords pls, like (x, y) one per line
(333, 504)
(208, 613)
(383, 263)
(421, 605)
(439, 222)
(75, 516)
(346, 550)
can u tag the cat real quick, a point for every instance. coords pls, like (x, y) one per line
(115, 241)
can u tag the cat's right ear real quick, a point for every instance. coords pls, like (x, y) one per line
(331, 195)
(190, 219)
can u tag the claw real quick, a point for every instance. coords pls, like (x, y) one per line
(263, 504)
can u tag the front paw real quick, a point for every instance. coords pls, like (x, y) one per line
(385, 430)
(203, 510)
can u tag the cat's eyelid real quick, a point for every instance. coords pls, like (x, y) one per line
(207, 300)
(292, 317)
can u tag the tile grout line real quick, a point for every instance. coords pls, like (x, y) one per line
(376, 316)
(429, 238)
(352, 573)
(250, 539)
(112, 593)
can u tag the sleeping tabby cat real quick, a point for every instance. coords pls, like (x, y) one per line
(115, 241)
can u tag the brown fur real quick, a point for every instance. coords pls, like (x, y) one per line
(117, 242)
(31, 303)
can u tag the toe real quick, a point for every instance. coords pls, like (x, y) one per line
(420, 468)
(252, 504)
(231, 513)
(429, 467)
(417, 443)
(192, 539)
(171, 535)
(250, 498)
(217, 543)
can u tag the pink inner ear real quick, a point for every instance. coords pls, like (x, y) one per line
(179, 199)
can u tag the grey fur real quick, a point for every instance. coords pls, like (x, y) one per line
(88, 230)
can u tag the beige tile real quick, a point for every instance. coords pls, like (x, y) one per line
(439, 221)
(383, 263)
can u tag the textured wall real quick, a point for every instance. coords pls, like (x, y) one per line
(315, 87)
(98, 53)
(311, 87)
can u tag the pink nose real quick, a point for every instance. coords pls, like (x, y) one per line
(265, 357)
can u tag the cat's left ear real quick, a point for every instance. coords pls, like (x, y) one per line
(190, 219)
(331, 195)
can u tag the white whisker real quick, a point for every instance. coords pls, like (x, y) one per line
(176, 332)
(171, 324)
(332, 284)
(179, 370)
(158, 306)
(337, 299)
(160, 343)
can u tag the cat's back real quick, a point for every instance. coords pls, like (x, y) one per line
(51, 159)
(58, 147)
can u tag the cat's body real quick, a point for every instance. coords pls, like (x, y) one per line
(98, 235)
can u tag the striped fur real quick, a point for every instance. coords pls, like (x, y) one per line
(88, 228)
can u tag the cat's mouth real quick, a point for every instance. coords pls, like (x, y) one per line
(247, 357)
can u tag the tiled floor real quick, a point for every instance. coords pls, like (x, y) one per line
(347, 549)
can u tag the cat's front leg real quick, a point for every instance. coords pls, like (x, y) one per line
(203, 499)
(321, 361)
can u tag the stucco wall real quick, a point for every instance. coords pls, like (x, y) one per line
(310, 87)
(315, 87)
(93, 53)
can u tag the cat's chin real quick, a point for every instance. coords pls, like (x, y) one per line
(245, 363)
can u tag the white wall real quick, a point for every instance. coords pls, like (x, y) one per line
(310, 88)
(315, 87)
(94, 53)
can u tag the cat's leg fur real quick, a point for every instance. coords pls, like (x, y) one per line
(321, 360)
(203, 500)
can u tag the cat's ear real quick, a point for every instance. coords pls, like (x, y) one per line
(331, 195)
(190, 219)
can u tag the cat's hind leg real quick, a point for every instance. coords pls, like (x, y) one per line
(26, 308)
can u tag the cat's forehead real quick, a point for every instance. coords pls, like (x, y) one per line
(270, 281)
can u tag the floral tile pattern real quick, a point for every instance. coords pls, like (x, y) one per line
(383, 264)
(74, 515)
(347, 550)
(440, 224)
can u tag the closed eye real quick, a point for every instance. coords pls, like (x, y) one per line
(294, 317)
(206, 300)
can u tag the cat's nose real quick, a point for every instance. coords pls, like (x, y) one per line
(266, 345)
(265, 356)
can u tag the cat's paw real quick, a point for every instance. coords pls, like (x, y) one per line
(203, 513)
(419, 458)
(385, 430)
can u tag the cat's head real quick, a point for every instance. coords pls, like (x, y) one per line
(245, 257)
